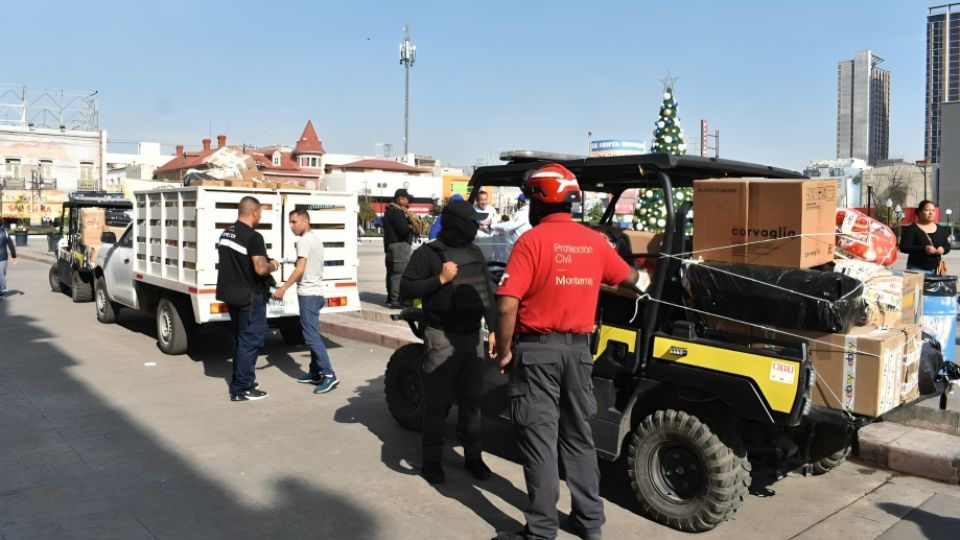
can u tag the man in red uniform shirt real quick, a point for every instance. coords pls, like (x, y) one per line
(547, 304)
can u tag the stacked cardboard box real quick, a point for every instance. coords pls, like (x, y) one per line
(791, 223)
(92, 223)
(788, 223)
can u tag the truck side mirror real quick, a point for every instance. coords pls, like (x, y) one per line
(108, 237)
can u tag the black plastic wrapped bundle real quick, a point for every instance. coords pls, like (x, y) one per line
(785, 298)
(939, 285)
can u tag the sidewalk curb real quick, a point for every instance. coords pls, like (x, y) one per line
(386, 335)
(911, 450)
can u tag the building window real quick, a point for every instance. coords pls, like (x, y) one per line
(86, 171)
(12, 169)
(46, 169)
(276, 159)
(313, 162)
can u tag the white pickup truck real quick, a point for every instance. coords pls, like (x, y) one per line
(165, 261)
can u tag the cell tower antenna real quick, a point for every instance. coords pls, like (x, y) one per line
(408, 55)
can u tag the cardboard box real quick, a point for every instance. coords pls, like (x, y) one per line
(644, 242)
(894, 301)
(909, 380)
(861, 371)
(787, 223)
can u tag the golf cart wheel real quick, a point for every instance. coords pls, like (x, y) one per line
(829, 463)
(404, 386)
(683, 474)
(80, 290)
(54, 277)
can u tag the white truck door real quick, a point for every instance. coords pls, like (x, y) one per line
(119, 271)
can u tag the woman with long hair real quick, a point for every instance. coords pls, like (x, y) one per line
(925, 242)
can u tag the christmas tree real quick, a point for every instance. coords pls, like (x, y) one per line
(667, 134)
(667, 139)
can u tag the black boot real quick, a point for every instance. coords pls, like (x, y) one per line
(432, 471)
(477, 468)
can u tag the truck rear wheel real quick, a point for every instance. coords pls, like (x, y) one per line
(106, 310)
(80, 290)
(404, 385)
(171, 331)
(683, 474)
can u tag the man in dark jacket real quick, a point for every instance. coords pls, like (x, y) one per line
(450, 275)
(397, 237)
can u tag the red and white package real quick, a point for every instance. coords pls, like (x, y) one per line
(862, 237)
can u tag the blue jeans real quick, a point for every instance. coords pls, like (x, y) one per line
(249, 331)
(310, 307)
(3, 275)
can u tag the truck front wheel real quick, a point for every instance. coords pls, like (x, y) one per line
(106, 310)
(54, 277)
(171, 332)
(683, 474)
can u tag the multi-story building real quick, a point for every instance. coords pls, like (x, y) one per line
(863, 108)
(50, 145)
(943, 71)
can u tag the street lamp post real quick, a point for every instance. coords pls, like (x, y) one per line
(922, 165)
(950, 221)
(889, 211)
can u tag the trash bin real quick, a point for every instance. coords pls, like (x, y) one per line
(940, 312)
(52, 240)
(20, 237)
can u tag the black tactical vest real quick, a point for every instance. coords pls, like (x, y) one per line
(471, 287)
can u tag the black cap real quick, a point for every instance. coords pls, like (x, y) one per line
(402, 192)
(463, 210)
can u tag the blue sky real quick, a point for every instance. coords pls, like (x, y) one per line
(489, 76)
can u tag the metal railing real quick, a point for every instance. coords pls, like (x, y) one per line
(86, 185)
(10, 182)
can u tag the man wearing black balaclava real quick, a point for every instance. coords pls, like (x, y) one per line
(450, 275)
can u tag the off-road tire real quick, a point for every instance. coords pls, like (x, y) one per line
(54, 276)
(685, 475)
(171, 331)
(404, 386)
(106, 309)
(829, 463)
(80, 290)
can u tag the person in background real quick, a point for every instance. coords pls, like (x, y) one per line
(397, 238)
(435, 228)
(483, 207)
(308, 275)
(925, 242)
(450, 275)
(518, 224)
(6, 243)
(242, 284)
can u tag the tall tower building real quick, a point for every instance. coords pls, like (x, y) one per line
(863, 108)
(943, 71)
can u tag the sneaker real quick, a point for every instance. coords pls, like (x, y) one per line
(310, 379)
(329, 383)
(250, 395)
(577, 529)
(432, 472)
(477, 468)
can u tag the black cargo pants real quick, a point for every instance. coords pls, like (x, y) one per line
(453, 370)
(551, 403)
